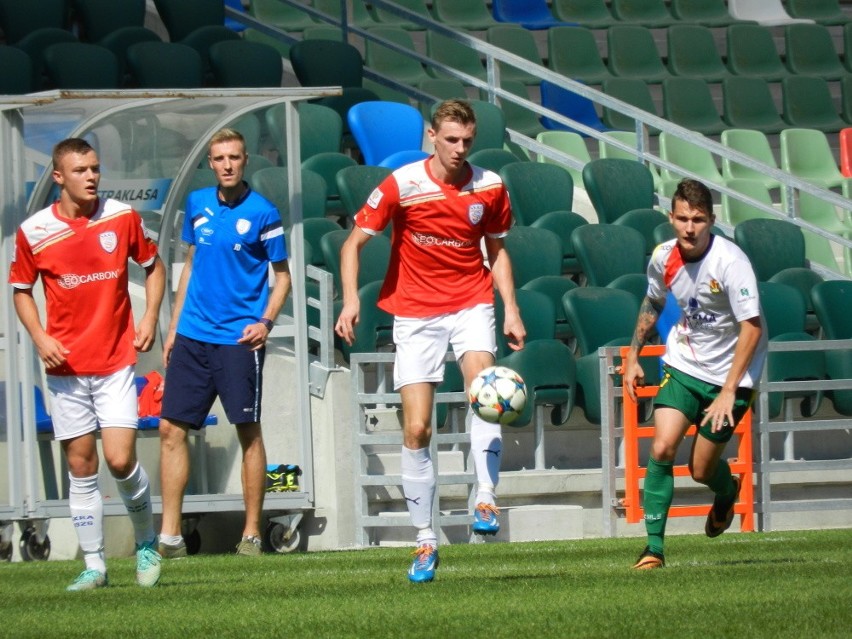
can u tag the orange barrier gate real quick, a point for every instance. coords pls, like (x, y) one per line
(741, 465)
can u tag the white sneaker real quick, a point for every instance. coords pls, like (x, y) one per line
(147, 564)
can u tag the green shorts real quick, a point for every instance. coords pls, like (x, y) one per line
(692, 397)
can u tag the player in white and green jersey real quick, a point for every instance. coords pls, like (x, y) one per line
(713, 360)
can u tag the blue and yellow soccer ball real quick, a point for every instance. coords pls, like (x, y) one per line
(498, 394)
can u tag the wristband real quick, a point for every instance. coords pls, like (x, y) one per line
(268, 323)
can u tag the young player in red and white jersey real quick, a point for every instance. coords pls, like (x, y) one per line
(80, 247)
(713, 360)
(441, 294)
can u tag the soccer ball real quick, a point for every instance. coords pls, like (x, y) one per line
(498, 394)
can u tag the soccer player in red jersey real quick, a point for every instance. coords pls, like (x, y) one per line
(441, 294)
(80, 246)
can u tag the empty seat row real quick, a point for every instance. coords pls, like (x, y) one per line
(150, 65)
(748, 103)
(117, 26)
(95, 20)
(631, 52)
(533, 14)
(692, 52)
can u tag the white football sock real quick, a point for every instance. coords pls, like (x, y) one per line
(87, 514)
(486, 446)
(171, 540)
(418, 486)
(135, 491)
(427, 537)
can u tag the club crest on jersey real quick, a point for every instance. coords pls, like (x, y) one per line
(715, 287)
(108, 240)
(243, 226)
(475, 212)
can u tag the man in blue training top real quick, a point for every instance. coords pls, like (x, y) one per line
(222, 316)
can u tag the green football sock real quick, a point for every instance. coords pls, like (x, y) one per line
(722, 483)
(657, 498)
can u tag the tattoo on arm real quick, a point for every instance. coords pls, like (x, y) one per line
(646, 323)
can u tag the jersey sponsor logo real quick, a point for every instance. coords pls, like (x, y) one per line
(108, 240)
(374, 199)
(475, 212)
(696, 318)
(243, 226)
(425, 239)
(71, 280)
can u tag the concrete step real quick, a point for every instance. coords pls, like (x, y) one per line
(517, 523)
(390, 463)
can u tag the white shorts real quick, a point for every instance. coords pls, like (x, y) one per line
(422, 342)
(79, 404)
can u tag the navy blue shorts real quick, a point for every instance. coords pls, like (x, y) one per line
(199, 371)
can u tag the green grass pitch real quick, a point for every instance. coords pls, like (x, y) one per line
(783, 584)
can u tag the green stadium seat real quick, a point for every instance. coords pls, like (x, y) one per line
(808, 104)
(824, 12)
(689, 156)
(807, 154)
(751, 51)
(592, 14)
(454, 54)
(535, 252)
(635, 92)
(652, 14)
(573, 52)
(606, 150)
(809, 50)
(569, 143)
(707, 13)
(615, 186)
(689, 103)
(747, 103)
(519, 41)
(282, 16)
(632, 53)
(535, 189)
(692, 53)
(386, 61)
(468, 15)
(387, 18)
(754, 144)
